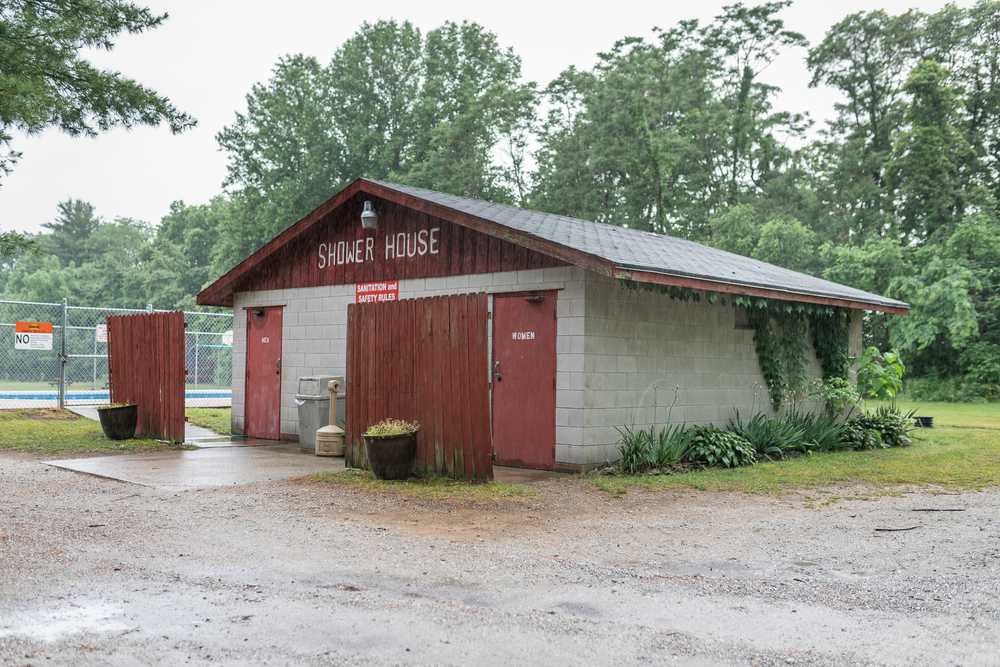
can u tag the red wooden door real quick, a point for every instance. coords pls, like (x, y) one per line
(524, 379)
(262, 416)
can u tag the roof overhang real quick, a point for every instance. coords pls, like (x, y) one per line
(220, 292)
(744, 289)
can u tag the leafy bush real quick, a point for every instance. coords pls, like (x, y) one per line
(391, 427)
(715, 447)
(981, 362)
(770, 437)
(821, 432)
(887, 426)
(839, 395)
(880, 375)
(952, 389)
(893, 425)
(646, 449)
(857, 436)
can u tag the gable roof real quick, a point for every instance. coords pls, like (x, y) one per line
(607, 249)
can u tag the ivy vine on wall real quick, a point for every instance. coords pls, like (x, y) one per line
(781, 336)
(831, 339)
(768, 354)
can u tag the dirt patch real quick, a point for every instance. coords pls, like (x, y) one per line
(41, 414)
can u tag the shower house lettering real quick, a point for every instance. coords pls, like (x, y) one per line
(398, 246)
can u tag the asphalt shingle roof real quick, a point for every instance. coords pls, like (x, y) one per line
(647, 251)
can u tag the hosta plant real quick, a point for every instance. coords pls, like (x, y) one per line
(714, 447)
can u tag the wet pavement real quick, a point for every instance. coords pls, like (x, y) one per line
(226, 463)
(95, 572)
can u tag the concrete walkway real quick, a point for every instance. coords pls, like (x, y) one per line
(177, 470)
(192, 432)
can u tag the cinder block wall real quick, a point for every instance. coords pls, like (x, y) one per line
(314, 337)
(645, 352)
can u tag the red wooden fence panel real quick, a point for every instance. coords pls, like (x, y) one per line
(423, 360)
(146, 367)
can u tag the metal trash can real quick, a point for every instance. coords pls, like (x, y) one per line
(313, 401)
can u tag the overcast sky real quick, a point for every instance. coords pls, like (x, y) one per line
(209, 53)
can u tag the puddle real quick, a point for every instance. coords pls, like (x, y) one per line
(55, 624)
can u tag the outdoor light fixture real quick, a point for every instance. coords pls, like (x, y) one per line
(369, 219)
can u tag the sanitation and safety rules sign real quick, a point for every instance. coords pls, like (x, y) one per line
(380, 292)
(32, 335)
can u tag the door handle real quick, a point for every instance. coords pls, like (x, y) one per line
(277, 368)
(496, 371)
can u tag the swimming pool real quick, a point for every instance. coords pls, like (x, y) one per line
(98, 395)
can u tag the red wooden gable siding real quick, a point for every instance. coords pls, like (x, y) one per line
(146, 367)
(423, 360)
(459, 251)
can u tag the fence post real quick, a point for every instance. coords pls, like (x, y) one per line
(62, 358)
(195, 358)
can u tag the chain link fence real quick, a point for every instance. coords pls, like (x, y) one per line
(75, 369)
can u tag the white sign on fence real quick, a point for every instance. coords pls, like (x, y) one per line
(101, 333)
(32, 335)
(227, 338)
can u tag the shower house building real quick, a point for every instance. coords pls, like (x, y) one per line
(535, 335)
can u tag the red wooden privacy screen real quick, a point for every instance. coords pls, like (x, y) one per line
(146, 367)
(424, 360)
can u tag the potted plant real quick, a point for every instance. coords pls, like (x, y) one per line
(392, 448)
(118, 420)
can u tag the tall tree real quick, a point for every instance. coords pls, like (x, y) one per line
(70, 233)
(472, 97)
(667, 134)
(866, 57)
(930, 162)
(45, 82)
(390, 104)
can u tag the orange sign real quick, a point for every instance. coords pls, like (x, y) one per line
(32, 335)
(33, 327)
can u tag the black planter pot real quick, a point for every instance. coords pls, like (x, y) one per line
(925, 422)
(119, 422)
(391, 457)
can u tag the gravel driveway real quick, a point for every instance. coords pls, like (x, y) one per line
(94, 571)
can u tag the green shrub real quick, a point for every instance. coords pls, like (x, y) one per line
(981, 362)
(839, 395)
(956, 389)
(634, 450)
(821, 432)
(856, 436)
(391, 427)
(652, 448)
(892, 424)
(880, 374)
(770, 437)
(714, 447)
(672, 442)
(887, 426)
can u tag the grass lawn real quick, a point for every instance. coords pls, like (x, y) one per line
(432, 488)
(962, 451)
(59, 432)
(216, 419)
